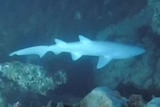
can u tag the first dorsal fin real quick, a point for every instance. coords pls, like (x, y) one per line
(84, 39)
(59, 42)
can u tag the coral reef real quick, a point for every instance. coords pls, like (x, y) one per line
(31, 77)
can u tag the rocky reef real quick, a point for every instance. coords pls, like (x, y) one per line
(38, 22)
(106, 97)
(141, 72)
(29, 77)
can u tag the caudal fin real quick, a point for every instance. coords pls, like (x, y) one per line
(37, 50)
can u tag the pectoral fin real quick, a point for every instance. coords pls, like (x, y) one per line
(75, 56)
(103, 60)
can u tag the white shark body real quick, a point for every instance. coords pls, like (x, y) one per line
(105, 50)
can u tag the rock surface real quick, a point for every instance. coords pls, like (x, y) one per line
(143, 71)
(155, 102)
(31, 77)
(102, 97)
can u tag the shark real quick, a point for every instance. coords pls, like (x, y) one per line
(105, 50)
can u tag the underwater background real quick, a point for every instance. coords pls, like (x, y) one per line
(57, 80)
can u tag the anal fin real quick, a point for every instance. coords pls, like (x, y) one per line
(75, 56)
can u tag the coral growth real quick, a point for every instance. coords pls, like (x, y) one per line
(31, 77)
